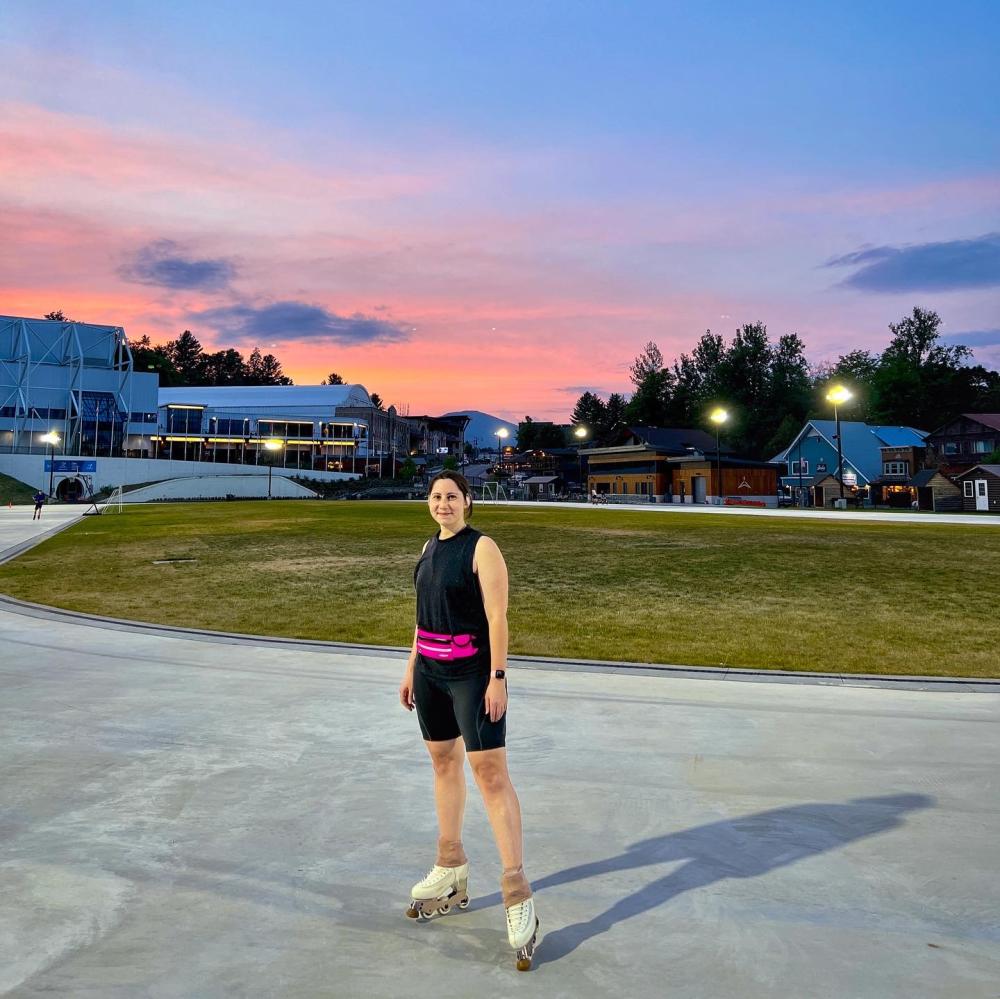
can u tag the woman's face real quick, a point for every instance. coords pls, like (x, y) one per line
(447, 504)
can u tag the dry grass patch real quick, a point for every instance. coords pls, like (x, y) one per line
(648, 587)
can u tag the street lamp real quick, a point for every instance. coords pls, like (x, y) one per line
(838, 395)
(52, 439)
(502, 434)
(271, 446)
(718, 416)
(581, 434)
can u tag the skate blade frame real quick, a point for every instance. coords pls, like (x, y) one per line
(527, 952)
(429, 908)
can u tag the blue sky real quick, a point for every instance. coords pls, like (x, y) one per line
(523, 180)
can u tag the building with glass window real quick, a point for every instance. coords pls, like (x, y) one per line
(75, 380)
(318, 427)
(75, 417)
(878, 462)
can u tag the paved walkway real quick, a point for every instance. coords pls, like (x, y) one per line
(187, 815)
(184, 817)
(19, 532)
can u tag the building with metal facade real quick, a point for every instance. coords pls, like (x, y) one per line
(75, 380)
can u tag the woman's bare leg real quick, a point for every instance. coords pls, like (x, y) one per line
(489, 767)
(448, 758)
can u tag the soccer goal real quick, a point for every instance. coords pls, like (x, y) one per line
(113, 504)
(493, 492)
(114, 501)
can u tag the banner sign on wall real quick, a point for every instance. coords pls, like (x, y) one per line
(70, 466)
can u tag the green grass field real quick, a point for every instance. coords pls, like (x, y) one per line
(597, 584)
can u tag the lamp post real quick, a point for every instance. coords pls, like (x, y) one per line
(502, 434)
(271, 446)
(581, 434)
(838, 395)
(52, 439)
(718, 416)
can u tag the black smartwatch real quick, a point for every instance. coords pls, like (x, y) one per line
(499, 674)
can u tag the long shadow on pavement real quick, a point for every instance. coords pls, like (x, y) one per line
(745, 847)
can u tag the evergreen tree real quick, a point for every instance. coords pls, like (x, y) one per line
(590, 412)
(264, 369)
(376, 400)
(225, 367)
(270, 372)
(615, 412)
(649, 361)
(648, 405)
(188, 358)
(790, 392)
(332, 379)
(155, 360)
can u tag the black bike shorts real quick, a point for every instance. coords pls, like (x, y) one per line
(447, 709)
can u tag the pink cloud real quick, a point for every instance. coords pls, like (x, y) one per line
(512, 298)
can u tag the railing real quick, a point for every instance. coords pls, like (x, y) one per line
(623, 499)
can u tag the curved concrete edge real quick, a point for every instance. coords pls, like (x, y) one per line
(666, 670)
(902, 518)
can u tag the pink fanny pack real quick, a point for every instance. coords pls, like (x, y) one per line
(445, 647)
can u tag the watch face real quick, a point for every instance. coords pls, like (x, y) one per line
(499, 674)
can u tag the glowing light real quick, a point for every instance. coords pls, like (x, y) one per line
(838, 395)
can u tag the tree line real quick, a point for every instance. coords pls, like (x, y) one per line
(770, 389)
(184, 362)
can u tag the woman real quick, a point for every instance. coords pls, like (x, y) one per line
(456, 679)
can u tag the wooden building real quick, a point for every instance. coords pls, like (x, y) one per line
(743, 482)
(980, 489)
(965, 441)
(932, 490)
(666, 465)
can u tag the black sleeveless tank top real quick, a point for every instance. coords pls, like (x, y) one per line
(450, 602)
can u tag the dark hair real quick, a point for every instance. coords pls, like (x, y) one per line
(460, 480)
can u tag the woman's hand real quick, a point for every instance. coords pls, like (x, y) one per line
(496, 699)
(406, 690)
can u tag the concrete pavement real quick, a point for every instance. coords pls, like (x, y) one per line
(18, 531)
(188, 817)
(899, 517)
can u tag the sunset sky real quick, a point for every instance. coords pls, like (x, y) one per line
(494, 205)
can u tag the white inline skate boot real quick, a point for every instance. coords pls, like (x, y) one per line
(443, 888)
(522, 923)
(446, 884)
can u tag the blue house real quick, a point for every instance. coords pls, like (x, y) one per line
(812, 455)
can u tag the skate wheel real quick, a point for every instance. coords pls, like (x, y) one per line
(444, 909)
(464, 904)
